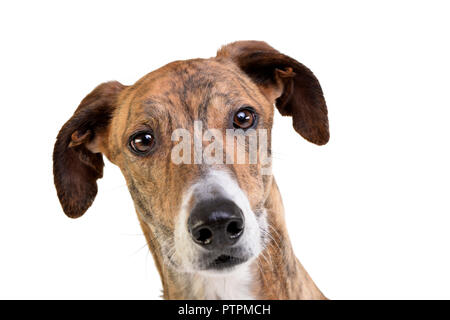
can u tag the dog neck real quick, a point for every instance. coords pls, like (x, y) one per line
(274, 274)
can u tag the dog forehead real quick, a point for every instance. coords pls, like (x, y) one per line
(193, 75)
(186, 87)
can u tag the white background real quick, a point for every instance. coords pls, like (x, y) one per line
(368, 214)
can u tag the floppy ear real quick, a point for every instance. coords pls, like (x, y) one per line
(289, 84)
(77, 161)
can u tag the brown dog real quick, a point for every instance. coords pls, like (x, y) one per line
(216, 231)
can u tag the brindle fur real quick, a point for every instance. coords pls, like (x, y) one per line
(209, 90)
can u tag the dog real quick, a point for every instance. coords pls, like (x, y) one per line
(215, 230)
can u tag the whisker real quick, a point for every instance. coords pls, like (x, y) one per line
(138, 250)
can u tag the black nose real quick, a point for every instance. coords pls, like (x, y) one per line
(216, 224)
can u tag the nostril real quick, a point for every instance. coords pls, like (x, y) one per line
(234, 229)
(203, 235)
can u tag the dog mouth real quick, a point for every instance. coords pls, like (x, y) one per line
(225, 261)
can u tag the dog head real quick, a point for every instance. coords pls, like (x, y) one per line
(204, 215)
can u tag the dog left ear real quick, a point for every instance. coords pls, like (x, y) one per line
(286, 82)
(77, 157)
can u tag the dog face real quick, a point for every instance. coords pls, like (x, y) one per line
(204, 216)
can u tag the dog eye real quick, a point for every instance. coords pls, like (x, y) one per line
(141, 142)
(244, 118)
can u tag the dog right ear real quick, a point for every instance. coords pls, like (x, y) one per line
(77, 158)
